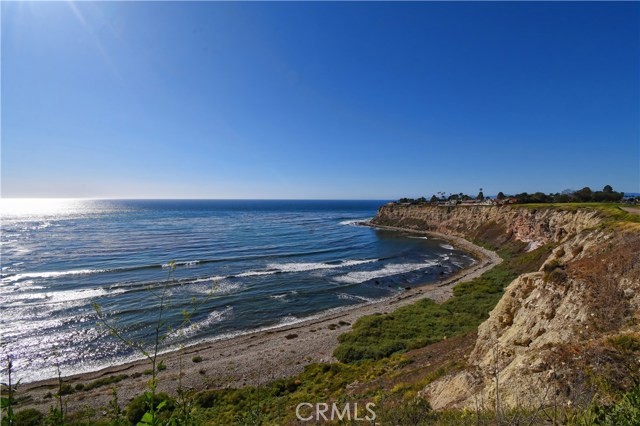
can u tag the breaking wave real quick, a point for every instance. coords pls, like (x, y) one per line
(54, 297)
(195, 327)
(52, 274)
(345, 296)
(358, 277)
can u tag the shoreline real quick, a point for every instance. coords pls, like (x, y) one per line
(257, 357)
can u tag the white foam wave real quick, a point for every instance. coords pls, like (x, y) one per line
(56, 297)
(446, 246)
(257, 273)
(215, 286)
(280, 297)
(354, 222)
(345, 296)
(419, 238)
(185, 263)
(312, 266)
(358, 277)
(212, 318)
(289, 319)
(27, 286)
(51, 274)
(280, 268)
(213, 279)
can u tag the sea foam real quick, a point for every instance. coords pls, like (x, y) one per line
(358, 277)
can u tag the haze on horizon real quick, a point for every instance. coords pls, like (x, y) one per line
(317, 100)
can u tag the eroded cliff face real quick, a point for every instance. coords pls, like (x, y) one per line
(532, 226)
(549, 331)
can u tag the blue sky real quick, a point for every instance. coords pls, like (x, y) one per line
(317, 100)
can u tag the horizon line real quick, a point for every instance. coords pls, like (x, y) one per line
(190, 199)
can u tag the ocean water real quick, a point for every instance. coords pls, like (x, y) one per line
(247, 265)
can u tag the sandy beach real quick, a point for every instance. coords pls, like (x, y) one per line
(258, 357)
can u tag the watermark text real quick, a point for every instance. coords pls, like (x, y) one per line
(305, 411)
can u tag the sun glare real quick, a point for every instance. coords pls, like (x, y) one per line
(37, 207)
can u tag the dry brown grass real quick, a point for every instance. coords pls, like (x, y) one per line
(600, 271)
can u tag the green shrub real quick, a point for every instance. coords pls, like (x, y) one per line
(426, 322)
(105, 381)
(557, 276)
(138, 406)
(65, 389)
(626, 342)
(554, 264)
(29, 417)
(209, 398)
(626, 412)
(196, 359)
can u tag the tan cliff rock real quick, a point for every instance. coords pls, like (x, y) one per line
(537, 226)
(551, 325)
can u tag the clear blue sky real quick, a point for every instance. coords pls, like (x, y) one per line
(318, 100)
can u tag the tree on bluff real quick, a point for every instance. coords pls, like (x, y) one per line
(584, 195)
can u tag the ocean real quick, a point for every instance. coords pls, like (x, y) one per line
(241, 266)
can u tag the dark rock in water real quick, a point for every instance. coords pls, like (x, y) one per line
(377, 282)
(407, 288)
(441, 272)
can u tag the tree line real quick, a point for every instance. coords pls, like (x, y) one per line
(584, 195)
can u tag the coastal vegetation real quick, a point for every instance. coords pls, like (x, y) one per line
(427, 322)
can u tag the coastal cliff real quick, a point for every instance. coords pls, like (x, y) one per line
(555, 335)
(532, 226)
